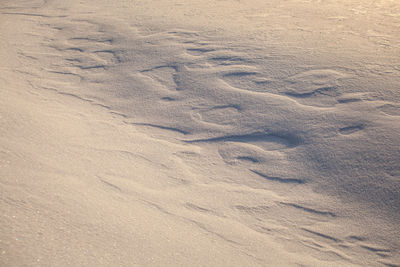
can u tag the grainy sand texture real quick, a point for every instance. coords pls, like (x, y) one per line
(200, 133)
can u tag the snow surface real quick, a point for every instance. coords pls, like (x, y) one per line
(200, 133)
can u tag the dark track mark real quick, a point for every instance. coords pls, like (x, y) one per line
(198, 208)
(237, 107)
(390, 264)
(110, 185)
(81, 98)
(162, 127)
(240, 73)
(174, 67)
(177, 80)
(348, 100)
(184, 33)
(107, 40)
(91, 67)
(279, 179)
(119, 114)
(167, 98)
(251, 159)
(328, 91)
(227, 58)
(105, 51)
(321, 235)
(33, 15)
(383, 254)
(289, 141)
(201, 50)
(75, 49)
(351, 129)
(358, 238)
(374, 249)
(262, 82)
(310, 210)
(66, 73)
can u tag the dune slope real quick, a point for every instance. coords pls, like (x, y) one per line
(209, 133)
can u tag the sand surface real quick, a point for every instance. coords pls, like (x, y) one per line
(200, 133)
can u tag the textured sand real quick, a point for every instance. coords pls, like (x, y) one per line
(199, 133)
